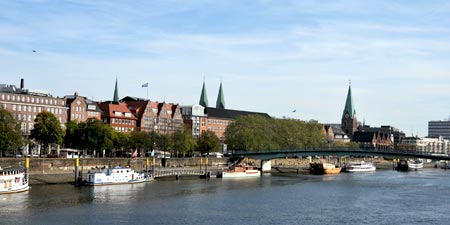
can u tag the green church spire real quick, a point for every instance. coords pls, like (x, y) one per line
(116, 93)
(203, 98)
(349, 106)
(220, 104)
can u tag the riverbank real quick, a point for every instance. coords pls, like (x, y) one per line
(58, 171)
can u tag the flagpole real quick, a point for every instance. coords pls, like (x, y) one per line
(147, 91)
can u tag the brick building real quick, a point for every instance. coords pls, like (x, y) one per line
(26, 104)
(80, 108)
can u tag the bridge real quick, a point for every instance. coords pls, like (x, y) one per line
(292, 153)
(177, 172)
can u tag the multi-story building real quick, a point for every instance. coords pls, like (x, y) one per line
(80, 108)
(163, 118)
(26, 104)
(428, 145)
(118, 116)
(195, 118)
(439, 128)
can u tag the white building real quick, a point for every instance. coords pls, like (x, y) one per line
(428, 145)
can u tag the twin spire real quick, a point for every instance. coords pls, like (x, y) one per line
(220, 103)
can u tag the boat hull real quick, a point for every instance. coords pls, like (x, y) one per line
(248, 173)
(357, 167)
(324, 168)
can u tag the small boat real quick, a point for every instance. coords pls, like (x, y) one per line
(415, 164)
(362, 166)
(116, 175)
(409, 164)
(241, 171)
(13, 180)
(324, 168)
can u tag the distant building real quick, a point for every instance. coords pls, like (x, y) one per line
(162, 118)
(439, 129)
(428, 145)
(334, 133)
(201, 117)
(348, 121)
(195, 118)
(80, 108)
(392, 131)
(118, 116)
(374, 139)
(25, 104)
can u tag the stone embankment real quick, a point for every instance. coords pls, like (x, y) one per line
(54, 171)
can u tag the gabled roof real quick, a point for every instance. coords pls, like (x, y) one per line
(349, 105)
(203, 97)
(220, 103)
(230, 114)
(359, 136)
(109, 110)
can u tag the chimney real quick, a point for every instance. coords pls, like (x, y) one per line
(22, 83)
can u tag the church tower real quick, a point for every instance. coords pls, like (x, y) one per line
(203, 98)
(116, 93)
(220, 103)
(349, 123)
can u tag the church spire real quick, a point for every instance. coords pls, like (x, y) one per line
(349, 106)
(116, 93)
(203, 98)
(220, 103)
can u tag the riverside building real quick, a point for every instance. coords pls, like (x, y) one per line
(440, 128)
(26, 104)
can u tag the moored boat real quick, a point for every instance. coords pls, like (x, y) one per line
(409, 164)
(116, 175)
(13, 180)
(361, 166)
(415, 164)
(324, 168)
(241, 171)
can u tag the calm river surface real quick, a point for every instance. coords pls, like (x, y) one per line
(383, 197)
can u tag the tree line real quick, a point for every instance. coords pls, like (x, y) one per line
(251, 133)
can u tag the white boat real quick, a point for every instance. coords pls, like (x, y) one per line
(13, 180)
(415, 164)
(362, 166)
(116, 175)
(241, 171)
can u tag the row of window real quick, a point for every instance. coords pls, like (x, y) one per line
(219, 122)
(30, 118)
(122, 121)
(35, 109)
(36, 100)
(123, 129)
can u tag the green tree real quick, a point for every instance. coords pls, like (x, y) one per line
(72, 138)
(47, 130)
(183, 141)
(10, 135)
(208, 142)
(140, 141)
(255, 132)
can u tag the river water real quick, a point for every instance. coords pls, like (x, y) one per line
(383, 197)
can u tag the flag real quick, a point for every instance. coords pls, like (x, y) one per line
(134, 155)
(153, 153)
(145, 85)
(294, 111)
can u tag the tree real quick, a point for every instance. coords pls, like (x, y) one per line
(47, 130)
(183, 141)
(208, 142)
(140, 140)
(255, 132)
(10, 135)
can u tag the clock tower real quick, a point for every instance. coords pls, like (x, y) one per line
(349, 123)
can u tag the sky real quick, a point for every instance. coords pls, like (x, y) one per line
(275, 56)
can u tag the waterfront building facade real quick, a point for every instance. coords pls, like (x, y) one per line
(162, 118)
(80, 108)
(374, 139)
(334, 133)
(195, 118)
(439, 128)
(428, 145)
(118, 116)
(26, 104)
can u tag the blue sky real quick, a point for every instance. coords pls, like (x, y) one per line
(272, 56)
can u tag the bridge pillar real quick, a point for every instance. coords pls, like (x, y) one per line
(266, 166)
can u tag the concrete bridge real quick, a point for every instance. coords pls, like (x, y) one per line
(266, 156)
